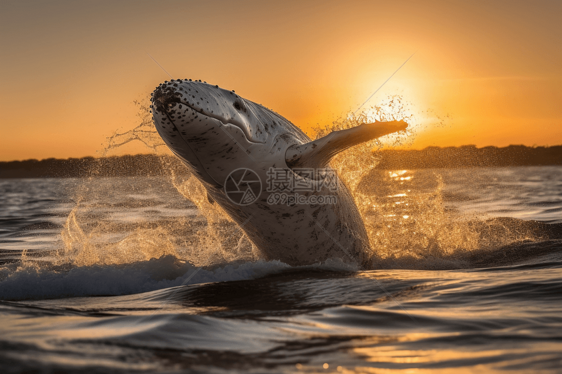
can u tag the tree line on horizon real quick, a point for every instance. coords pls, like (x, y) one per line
(390, 159)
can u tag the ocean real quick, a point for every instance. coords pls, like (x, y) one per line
(142, 275)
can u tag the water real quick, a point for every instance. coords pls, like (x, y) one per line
(126, 275)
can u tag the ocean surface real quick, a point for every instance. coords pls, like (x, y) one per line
(128, 275)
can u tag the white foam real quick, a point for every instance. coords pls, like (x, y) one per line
(31, 282)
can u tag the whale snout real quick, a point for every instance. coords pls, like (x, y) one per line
(164, 96)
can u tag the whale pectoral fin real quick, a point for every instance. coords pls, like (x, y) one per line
(210, 199)
(317, 154)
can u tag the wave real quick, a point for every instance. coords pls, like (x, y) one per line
(29, 281)
(32, 282)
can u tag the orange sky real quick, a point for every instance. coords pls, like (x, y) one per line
(70, 71)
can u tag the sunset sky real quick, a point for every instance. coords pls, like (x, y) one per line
(70, 70)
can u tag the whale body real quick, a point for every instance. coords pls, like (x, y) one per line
(253, 162)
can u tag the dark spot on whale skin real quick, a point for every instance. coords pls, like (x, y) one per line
(316, 212)
(197, 139)
(162, 97)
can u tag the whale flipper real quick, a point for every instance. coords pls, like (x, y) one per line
(317, 153)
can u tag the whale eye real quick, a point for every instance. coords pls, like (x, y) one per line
(240, 105)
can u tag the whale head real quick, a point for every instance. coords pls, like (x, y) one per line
(215, 130)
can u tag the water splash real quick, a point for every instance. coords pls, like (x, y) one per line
(94, 234)
(406, 219)
(403, 211)
(220, 233)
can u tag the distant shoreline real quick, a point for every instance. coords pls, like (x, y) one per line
(469, 156)
(152, 165)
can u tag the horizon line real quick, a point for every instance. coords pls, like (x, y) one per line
(381, 149)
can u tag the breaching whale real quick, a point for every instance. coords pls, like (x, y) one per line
(265, 173)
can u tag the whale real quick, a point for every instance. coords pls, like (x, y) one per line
(265, 173)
